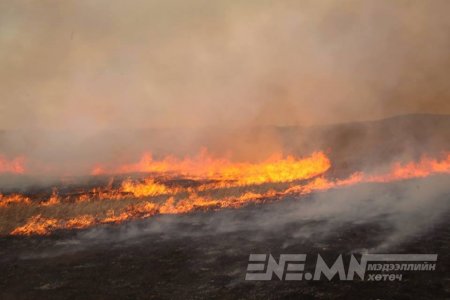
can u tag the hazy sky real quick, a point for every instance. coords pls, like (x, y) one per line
(92, 65)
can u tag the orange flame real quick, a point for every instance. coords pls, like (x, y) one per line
(425, 167)
(53, 200)
(241, 176)
(13, 199)
(227, 174)
(79, 222)
(274, 169)
(148, 188)
(37, 225)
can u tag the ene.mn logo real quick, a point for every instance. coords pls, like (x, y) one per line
(370, 267)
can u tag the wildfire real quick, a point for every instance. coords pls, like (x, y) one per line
(13, 199)
(53, 200)
(37, 225)
(147, 188)
(79, 222)
(229, 185)
(425, 167)
(274, 169)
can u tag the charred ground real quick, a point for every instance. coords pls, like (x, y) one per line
(204, 254)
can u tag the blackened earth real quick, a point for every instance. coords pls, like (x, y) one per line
(204, 255)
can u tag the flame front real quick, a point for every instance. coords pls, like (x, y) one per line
(219, 183)
(274, 169)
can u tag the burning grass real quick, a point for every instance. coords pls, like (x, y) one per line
(178, 192)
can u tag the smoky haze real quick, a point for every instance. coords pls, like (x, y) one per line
(71, 71)
(398, 213)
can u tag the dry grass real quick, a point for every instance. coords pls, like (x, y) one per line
(18, 214)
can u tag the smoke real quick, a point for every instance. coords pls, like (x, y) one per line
(74, 71)
(394, 214)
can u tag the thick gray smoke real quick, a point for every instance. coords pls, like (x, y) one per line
(78, 79)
